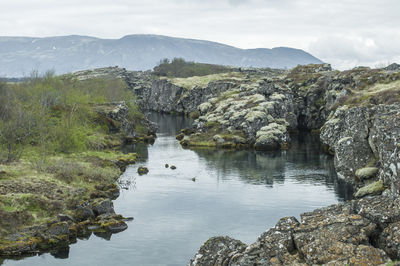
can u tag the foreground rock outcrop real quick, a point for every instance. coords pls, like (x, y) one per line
(352, 233)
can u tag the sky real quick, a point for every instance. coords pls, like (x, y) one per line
(345, 33)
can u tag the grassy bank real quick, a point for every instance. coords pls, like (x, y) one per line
(60, 158)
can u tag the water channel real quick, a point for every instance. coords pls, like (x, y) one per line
(212, 192)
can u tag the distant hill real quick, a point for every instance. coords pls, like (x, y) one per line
(20, 55)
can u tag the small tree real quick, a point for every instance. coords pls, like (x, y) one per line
(15, 132)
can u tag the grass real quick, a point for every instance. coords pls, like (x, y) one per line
(42, 192)
(202, 81)
(376, 94)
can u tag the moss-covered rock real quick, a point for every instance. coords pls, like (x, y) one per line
(180, 136)
(375, 188)
(271, 137)
(142, 170)
(366, 173)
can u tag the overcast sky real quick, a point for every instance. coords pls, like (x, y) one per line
(345, 33)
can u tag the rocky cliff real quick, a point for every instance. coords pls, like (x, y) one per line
(357, 113)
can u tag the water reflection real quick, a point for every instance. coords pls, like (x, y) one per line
(304, 162)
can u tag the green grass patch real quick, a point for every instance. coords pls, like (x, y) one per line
(202, 81)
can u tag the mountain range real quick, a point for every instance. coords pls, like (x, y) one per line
(19, 56)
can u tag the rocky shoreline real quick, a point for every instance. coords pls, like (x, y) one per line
(358, 232)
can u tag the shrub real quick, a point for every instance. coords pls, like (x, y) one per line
(178, 67)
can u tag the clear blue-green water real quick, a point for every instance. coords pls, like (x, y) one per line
(235, 193)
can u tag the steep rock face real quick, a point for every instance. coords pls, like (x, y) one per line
(362, 137)
(164, 96)
(264, 109)
(355, 233)
(384, 141)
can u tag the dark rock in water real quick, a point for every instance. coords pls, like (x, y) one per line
(173, 167)
(194, 179)
(166, 165)
(103, 207)
(150, 139)
(115, 226)
(142, 170)
(105, 235)
(180, 136)
(188, 131)
(61, 253)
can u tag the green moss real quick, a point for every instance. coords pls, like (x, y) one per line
(201, 144)
(320, 102)
(194, 114)
(212, 124)
(202, 81)
(375, 188)
(366, 173)
(226, 95)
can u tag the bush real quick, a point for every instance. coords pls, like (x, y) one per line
(178, 67)
(56, 113)
(15, 132)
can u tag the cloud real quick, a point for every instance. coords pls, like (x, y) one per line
(344, 32)
(345, 52)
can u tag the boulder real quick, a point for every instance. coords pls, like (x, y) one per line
(271, 137)
(104, 206)
(57, 229)
(83, 213)
(142, 170)
(216, 251)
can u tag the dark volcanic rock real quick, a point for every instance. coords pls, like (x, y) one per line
(83, 213)
(142, 170)
(366, 136)
(346, 233)
(217, 251)
(103, 207)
